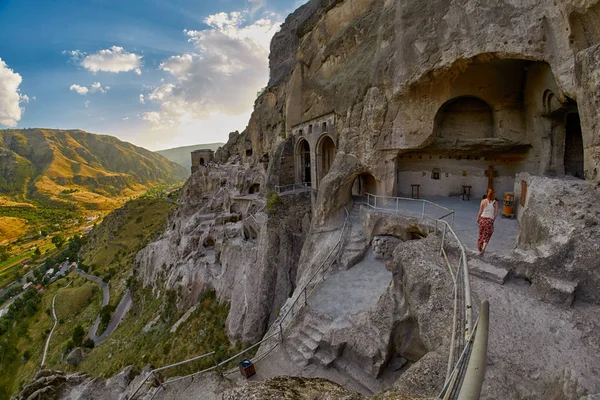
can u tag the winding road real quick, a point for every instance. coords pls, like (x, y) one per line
(122, 309)
(54, 326)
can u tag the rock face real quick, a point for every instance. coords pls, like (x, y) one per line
(221, 238)
(75, 356)
(559, 236)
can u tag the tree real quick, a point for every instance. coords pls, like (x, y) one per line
(88, 343)
(58, 241)
(78, 334)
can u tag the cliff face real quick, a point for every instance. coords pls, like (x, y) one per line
(221, 238)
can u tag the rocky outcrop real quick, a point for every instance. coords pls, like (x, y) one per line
(221, 238)
(75, 357)
(292, 388)
(558, 238)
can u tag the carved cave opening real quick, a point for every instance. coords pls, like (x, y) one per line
(573, 157)
(363, 184)
(327, 151)
(304, 164)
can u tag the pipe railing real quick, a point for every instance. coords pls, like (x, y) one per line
(420, 208)
(280, 189)
(463, 330)
(323, 268)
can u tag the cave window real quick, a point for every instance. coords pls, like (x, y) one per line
(248, 152)
(324, 127)
(201, 160)
(435, 174)
(255, 188)
(310, 128)
(300, 132)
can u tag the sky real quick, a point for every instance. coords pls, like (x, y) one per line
(156, 73)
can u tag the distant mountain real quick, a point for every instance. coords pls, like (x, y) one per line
(182, 155)
(77, 167)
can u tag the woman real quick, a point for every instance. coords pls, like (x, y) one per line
(488, 210)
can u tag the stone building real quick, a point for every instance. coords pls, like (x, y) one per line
(201, 158)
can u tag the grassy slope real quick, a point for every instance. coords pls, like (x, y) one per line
(182, 155)
(30, 334)
(123, 233)
(11, 228)
(112, 246)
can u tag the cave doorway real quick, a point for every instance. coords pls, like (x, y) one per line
(573, 157)
(202, 161)
(304, 162)
(363, 184)
(327, 151)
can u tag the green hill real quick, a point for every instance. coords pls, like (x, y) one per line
(182, 155)
(76, 167)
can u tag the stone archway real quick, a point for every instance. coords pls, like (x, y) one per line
(304, 171)
(363, 184)
(326, 152)
(573, 156)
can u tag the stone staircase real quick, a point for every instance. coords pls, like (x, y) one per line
(356, 244)
(304, 346)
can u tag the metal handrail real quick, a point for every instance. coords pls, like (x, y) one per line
(398, 210)
(280, 189)
(324, 267)
(455, 371)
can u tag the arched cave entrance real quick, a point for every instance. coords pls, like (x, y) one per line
(202, 161)
(363, 184)
(465, 117)
(573, 157)
(327, 151)
(254, 188)
(303, 157)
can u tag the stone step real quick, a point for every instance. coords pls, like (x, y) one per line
(296, 356)
(313, 332)
(487, 271)
(555, 290)
(324, 358)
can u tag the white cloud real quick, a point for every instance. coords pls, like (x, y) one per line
(97, 87)
(142, 99)
(115, 59)
(82, 90)
(255, 5)
(125, 118)
(222, 76)
(152, 116)
(10, 96)
(138, 71)
(86, 103)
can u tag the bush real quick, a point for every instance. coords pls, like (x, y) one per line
(78, 334)
(88, 343)
(273, 200)
(26, 356)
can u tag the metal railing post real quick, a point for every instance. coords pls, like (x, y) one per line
(443, 238)
(423, 211)
(217, 365)
(471, 387)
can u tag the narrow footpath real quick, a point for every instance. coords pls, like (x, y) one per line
(54, 326)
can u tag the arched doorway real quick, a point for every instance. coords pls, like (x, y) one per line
(202, 161)
(573, 157)
(303, 157)
(363, 184)
(327, 151)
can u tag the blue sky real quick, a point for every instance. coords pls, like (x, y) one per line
(157, 73)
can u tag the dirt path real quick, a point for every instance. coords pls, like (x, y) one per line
(54, 326)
